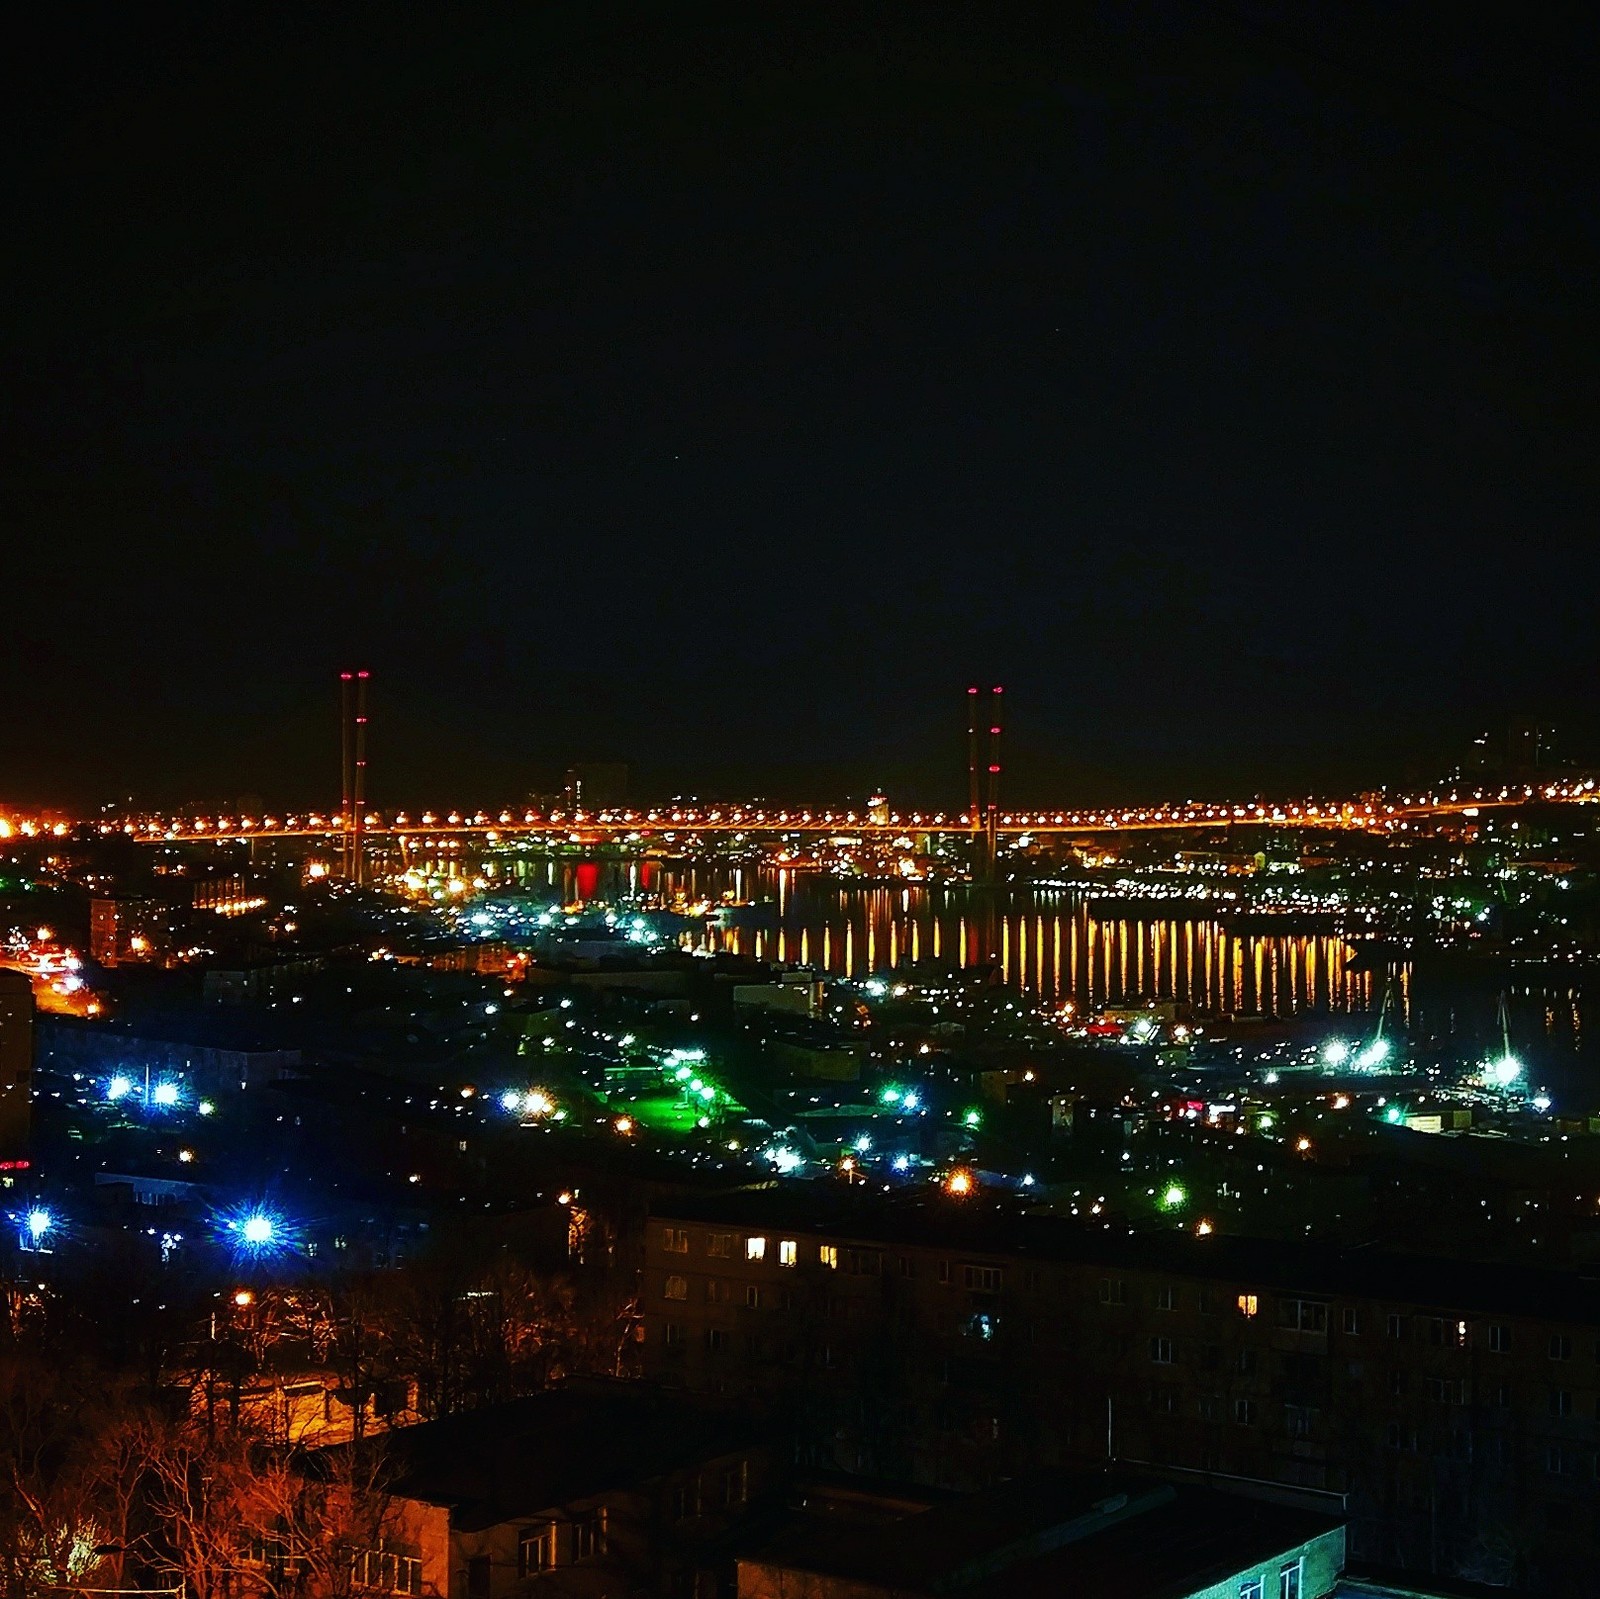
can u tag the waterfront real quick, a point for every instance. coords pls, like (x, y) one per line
(1054, 946)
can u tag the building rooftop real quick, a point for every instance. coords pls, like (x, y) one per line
(512, 1460)
(1004, 1228)
(1085, 1535)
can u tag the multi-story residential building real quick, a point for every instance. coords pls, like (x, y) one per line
(1453, 1405)
(571, 1491)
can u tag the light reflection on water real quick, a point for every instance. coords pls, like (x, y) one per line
(1050, 945)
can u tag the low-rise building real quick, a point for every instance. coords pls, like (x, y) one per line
(1090, 1537)
(603, 1491)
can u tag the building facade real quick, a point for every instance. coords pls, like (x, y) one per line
(1453, 1407)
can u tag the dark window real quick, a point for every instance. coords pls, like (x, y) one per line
(536, 1549)
(1304, 1315)
(1244, 1412)
(478, 1577)
(589, 1535)
(1350, 1321)
(1560, 1347)
(1161, 1351)
(1112, 1291)
(1560, 1402)
(1397, 1326)
(387, 1570)
(1500, 1339)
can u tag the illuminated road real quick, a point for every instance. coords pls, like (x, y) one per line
(1390, 814)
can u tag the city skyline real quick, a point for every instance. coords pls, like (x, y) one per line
(794, 802)
(718, 403)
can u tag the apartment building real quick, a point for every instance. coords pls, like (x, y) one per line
(1453, 1405)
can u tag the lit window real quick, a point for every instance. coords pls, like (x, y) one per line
(828, 1254)
(675, 1240)
(788, 1251)
(676, 1288)
(755, 1249)
(1248, 1304)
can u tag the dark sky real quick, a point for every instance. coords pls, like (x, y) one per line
(724, 399)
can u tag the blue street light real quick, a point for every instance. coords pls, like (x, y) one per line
(256, 1231)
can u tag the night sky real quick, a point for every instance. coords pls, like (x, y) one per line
(723, 399)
